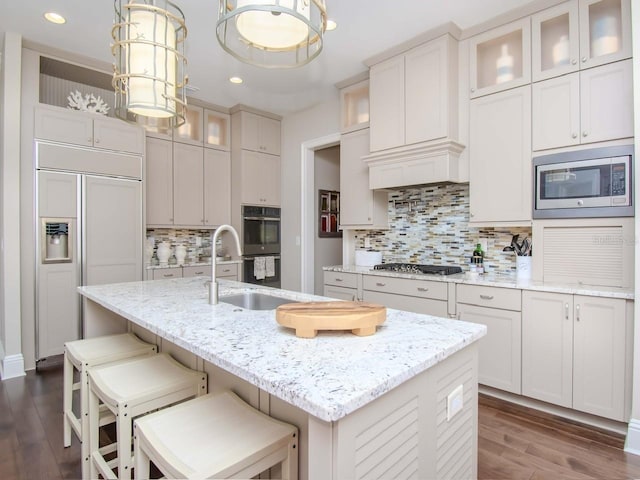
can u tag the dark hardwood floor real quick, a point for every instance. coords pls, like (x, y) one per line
(514, 442)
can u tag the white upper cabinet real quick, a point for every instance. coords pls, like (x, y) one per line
(500, 58)
(413, 95)
(259, 133)
(589, 106)
(555, 41)
(259, 178)
(605, 31)
(217, 129)
(87, 129)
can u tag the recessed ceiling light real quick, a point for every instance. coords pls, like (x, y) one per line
(331, 25)
(54, 17)
(236, 80)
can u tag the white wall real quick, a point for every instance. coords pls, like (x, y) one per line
(316, 122)
(327, 250)
(12, 362)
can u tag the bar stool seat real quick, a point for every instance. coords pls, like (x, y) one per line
(214, 436)
(128, 389)
(82, 354)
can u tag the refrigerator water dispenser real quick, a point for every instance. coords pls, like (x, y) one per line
(56, 242)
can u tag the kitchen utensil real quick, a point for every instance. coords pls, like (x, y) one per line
(309, 317)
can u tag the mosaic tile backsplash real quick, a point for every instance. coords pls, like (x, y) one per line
(188, 238)
(430, 225)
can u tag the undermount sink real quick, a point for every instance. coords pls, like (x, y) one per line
(255, 301)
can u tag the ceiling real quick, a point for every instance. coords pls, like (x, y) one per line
(365, 28)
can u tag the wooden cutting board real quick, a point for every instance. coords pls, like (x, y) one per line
(309, 317)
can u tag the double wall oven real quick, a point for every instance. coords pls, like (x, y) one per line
(261, 238)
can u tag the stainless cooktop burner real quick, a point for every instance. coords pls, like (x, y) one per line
(417, 268)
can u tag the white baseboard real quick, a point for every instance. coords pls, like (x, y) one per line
(632, 445)
(12, 366)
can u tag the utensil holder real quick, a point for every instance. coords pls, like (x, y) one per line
(523, 268)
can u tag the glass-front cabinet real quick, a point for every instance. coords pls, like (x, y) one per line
(355, 106)
(501, 58)
(191, 131)
(605, 31)
(555, 41)
(216, 129)
(579, 34)
(156, 127)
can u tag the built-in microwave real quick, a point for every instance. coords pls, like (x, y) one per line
(594, 182)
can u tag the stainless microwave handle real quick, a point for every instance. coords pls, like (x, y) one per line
(251, 259)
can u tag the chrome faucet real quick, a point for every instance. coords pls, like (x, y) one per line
(213, 286)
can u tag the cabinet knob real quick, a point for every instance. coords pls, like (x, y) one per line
(574, 61)
(369, 219)
(473, 90)
(574, 135)
(97, 140)
(584, 59)
(585, 133)
(171, 220)
(89, 139)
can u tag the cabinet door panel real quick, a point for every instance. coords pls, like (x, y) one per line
(607, 102)
(500, 349)
(547, 349)
(599, 356)
(596, 45)
(57, 194)
(260, 175)
(556, 112)
(159, 182)
(63, 126)
(217, 187)
(426, 92)
(269, 135)
(187, 184)
(117, 135)
(356, 199)
(387, 100)
(500, 155)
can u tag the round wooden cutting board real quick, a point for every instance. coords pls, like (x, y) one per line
(309, 317)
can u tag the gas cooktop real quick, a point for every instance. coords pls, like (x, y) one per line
(417, 268)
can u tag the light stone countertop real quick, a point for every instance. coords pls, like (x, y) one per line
(328, 376)
(489, 280)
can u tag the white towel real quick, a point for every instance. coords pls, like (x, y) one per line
(259, 270)
(270, 266)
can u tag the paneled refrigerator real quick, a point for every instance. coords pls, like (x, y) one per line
(89, 228)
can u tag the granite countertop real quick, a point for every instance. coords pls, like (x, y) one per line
(328, 376)
(191, 264)
(492, 280)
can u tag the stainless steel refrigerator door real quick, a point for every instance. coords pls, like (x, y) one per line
(58, 303)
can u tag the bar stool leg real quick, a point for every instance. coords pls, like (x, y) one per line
(290, 464)
(140, 457)
(67, 400)
(91, 436)
(123, 425)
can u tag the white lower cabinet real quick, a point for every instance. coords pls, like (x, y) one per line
(500, 349)
(575, 352)
(419, 296)
(164, 273)
(342, 286)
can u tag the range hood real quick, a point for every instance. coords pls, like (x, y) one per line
(436, 161)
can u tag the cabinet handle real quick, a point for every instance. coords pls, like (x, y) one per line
(584, 59)
(423, 289)
(486, 297)
(171, 219)
(566, 311)
(578, 313)
(168, 275)
(339, 280)
(458, 315)
(380, 284)
(226, 270)
(199, 273)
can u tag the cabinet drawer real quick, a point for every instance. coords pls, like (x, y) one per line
(341, 279)
(504, 298)
(425, 306)
(227, 270)
(341, 293)
(197, 271)
(161, 273)
(406, 286)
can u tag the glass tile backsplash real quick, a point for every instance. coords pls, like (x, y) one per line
(430, 225)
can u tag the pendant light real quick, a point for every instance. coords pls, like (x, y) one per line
(272, 33)
(150, 67)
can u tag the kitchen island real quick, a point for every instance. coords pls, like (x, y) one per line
(400, 403)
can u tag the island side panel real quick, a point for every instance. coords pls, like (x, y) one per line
(406, 434)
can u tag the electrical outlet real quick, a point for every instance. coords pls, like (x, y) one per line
(484, 243)
(198, 241)
(455, 402)
(367, 242)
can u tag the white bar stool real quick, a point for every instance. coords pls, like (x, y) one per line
(214, 436)
(82, 354)
(128, 389)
